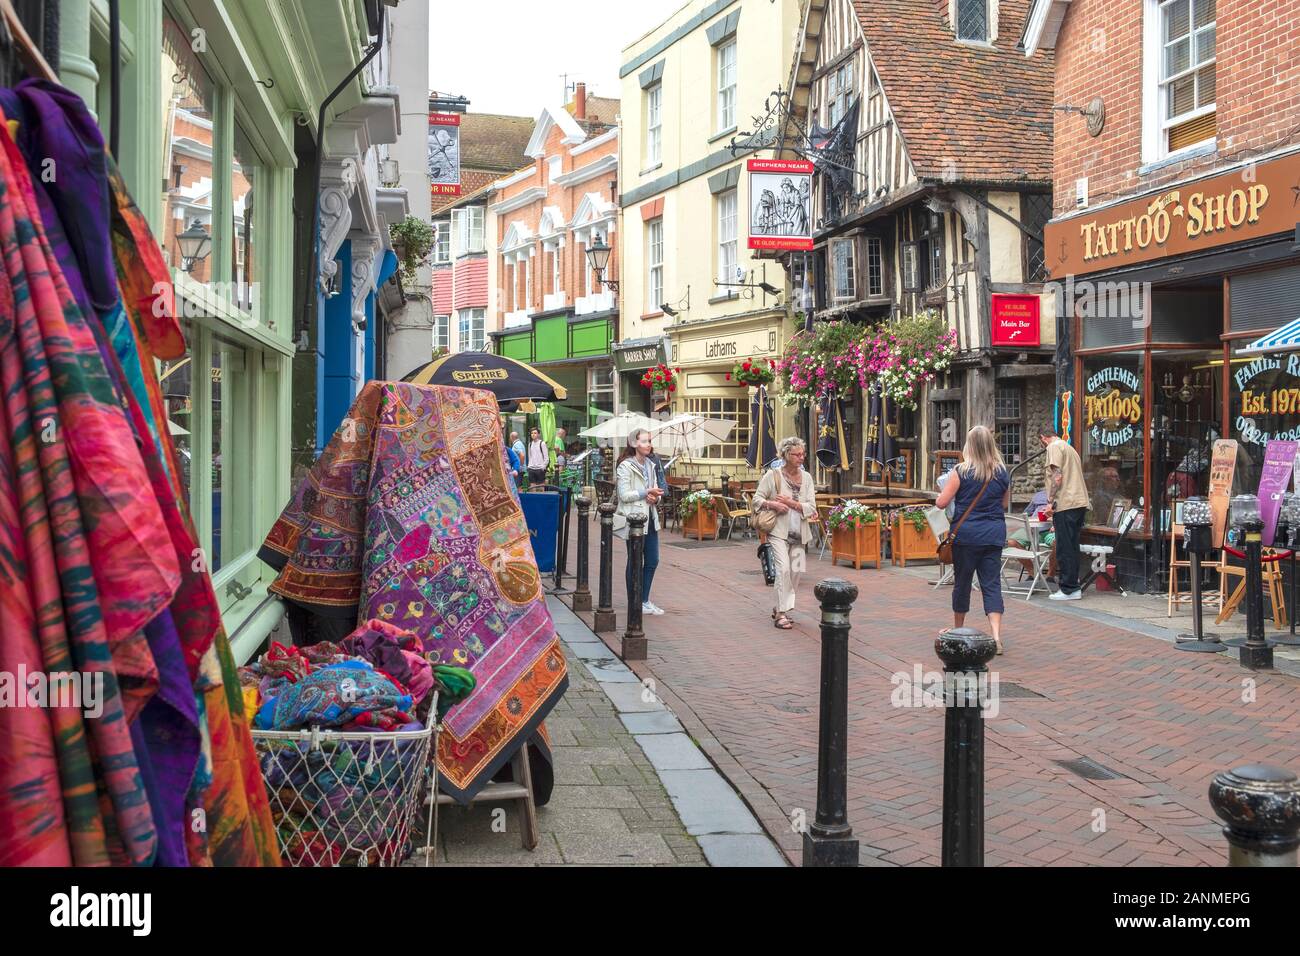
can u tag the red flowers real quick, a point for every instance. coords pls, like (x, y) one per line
(659, 378)
(751, 372)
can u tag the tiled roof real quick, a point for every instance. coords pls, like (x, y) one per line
(493, 142)
(601, 112)
(977, 113)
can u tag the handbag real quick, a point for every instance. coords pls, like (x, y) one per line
(944, 551)
(765, 521)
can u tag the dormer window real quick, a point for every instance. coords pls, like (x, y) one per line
(972, 21)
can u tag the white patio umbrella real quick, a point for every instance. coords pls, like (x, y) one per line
(689, 434)
(618, 427)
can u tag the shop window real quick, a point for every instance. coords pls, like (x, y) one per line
(946, 432)
(1263, 406)
(244, 186)
(1112, 429)
(844, 269)
(189, 97)
(441, 242)
(875, 267)
(600, 388)
(232, 480)
(733, 409)
(726, 58)
(1186, 394)
(1009, 413)
(973, 20)
(470, 330)
(1035, 211)
(1187, 72)
(654, 132)
(175, 377)
(839, 88)
(654, 243)
(727, 260)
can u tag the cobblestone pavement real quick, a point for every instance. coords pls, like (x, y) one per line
(608, 809)
(1151, 725)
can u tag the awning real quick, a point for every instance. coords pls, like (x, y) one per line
(1285, 339)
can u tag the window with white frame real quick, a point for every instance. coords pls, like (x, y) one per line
(727, 85)
(843, 270)
(838, 90)
(555, 269)
(555, 166)
(467, 226)
(470, 329)
(875, 267)
(727, 258)
(654, 131)
(441, 242)
(586, 270)
(973, 20)
(1187, 81)
(442, 331)
(654, 257)
(528, 283)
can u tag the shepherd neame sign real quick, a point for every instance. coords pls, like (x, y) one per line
(1247, 203)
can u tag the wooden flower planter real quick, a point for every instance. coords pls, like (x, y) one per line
(909, 544)
(856, 545)
(703, 524)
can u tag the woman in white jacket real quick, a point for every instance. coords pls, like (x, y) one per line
(639, 494)
(788, 490)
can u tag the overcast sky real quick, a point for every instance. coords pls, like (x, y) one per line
(533, 42)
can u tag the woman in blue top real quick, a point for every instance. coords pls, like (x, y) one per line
(978, 544)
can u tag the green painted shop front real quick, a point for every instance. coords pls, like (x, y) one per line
(575, 351)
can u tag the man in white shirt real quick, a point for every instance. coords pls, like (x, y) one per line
(538, 458)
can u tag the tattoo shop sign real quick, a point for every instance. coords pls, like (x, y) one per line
(1112, 406)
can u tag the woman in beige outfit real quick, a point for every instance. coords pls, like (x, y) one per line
(788, 490)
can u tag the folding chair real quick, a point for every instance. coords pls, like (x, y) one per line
(1033, 552)
(729, 514)
(1099, 555)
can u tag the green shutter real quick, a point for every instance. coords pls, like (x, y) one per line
(552, 338)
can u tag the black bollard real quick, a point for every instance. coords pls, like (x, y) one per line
(1260, 806)
(581, 592)
(1255, 653)
(830, 841)
(605, 609)
(964, 652)
(634, 646)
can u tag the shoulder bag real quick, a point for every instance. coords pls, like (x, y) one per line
(764, 521)
(944, 551)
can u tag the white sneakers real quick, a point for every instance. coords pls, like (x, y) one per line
(648, 608)
(1063, 596)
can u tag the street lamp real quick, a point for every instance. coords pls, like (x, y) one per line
(195, 244)
(598, 258)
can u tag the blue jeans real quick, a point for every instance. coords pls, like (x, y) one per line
(966, 561)
(647, 568)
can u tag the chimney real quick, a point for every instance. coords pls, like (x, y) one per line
(580, 101)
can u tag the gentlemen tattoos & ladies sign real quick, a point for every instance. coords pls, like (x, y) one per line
(1112, 406)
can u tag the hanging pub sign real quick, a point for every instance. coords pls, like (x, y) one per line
(780, 199)
(1017, 321)
(1112, 406)
(1267, 387)
(444, 153)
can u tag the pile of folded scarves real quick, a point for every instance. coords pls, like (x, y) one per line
(347, 802)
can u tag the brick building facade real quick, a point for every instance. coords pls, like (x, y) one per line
(547, 306)
(1172, 247)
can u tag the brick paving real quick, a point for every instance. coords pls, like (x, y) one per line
(1161, 721)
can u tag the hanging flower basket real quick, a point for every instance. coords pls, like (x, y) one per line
(660, 378)
(753, 372)
(815, 364)
(899, 357)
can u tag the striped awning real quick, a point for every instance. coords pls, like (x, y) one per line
(1285, 339)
